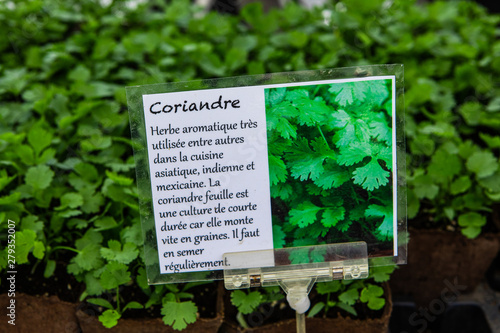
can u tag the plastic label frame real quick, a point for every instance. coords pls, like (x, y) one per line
(138, 133)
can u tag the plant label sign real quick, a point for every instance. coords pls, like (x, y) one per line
(259, 163)
(209, 175)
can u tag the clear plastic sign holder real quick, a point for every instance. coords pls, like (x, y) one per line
(319, 263)
(295, 269)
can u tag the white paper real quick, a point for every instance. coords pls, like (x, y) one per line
(209, 175)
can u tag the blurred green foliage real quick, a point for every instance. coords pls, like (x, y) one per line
(67, 171)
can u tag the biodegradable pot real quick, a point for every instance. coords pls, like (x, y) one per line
(441, 265)
(90, 323)
(316, 325)
(39, 314)
(51, 315)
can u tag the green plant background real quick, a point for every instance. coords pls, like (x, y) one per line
(67, 171)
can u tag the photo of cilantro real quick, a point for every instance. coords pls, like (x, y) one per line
(330, 164)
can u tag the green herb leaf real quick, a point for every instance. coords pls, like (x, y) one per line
(246, 303)
(70, 200)
(39, 139)
(471, 223)
(277, 170)
(89, 257)
(371, 295)
(349, 296)
(381, 273)
(482, 163)
(39, 177)
(278, 237)
(304, 214)
(114, 275)
(116, 253)
(385, 229)
(371, 176)
(332, 215)
(109, 318)
(25, 243)
(101, 302)
(324, 288)
(460, 185)
(179, 315)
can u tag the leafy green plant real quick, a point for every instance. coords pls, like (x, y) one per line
(249, 302)
(67, 170)
(347, 294)
(330, 157)
(178, 313)
(110, 317)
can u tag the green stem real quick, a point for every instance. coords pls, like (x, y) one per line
(60, 247)
(354, 194)
(327, 305)
(324, 138)
(118, 300)
(241, 320)
(34, 267)
(316, 90)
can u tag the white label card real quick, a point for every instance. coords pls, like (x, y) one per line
(209, 170)
(209, 175)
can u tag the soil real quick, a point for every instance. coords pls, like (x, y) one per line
(438, 258)
(277, 317)
(53, 305)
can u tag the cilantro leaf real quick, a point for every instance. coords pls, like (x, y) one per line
(371, 295)
(278, 237)
(490, 183)
(333, 176)
(371, 176)
(39, 138)
(340, 119)
(332, 215)
(380, 129)
(39, 177)
(471, 223)
(92, 201)
(482, 163)
(246, 303)
(109, 318)
(114, 275)
(70, 200)
(25, 243)
(304, 214)
(306, 163)
(311, 112)
(354, 153)
(121, 180)
(179, 314)
(491, 141)
(274, 96)
(116, 253)
(356, 130)
(385, 229)
(328, 287)
(278, 118)
(300, 254)
(348, 92)
(444, 166)
(349, 296)
(89, 257)
(277, 170)
(382, 273)
(460, 185)
(424, 187)
(343, 225)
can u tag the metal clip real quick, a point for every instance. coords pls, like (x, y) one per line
(255, 280)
